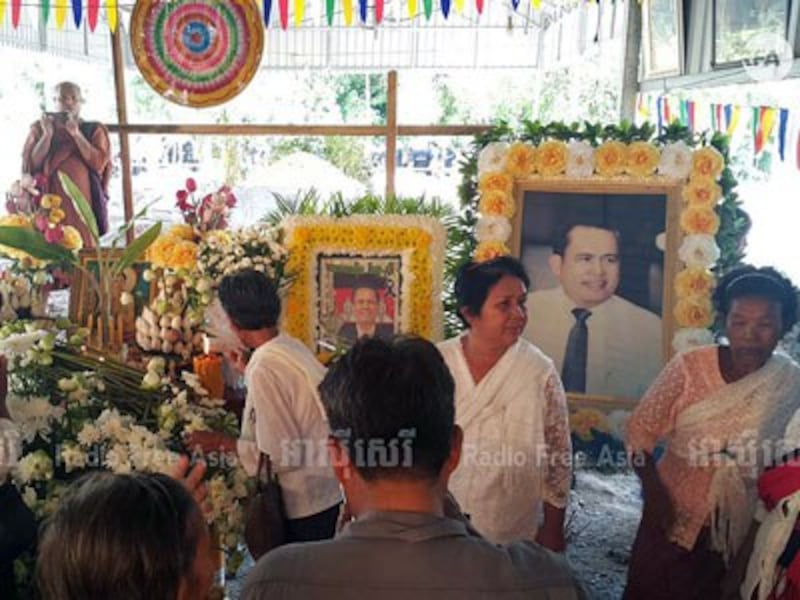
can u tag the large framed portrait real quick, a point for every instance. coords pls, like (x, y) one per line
(601, 256)
(373, 276)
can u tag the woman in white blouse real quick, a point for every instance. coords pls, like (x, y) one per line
(514, 475)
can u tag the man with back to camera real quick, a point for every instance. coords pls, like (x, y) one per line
(601, 343)
(365, 300)
(394, 445)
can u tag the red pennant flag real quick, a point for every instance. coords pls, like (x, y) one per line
(690, 108)
(94, 11)
(378, 11)
(667, 115)
(283, 8)
(16, 11)
(479, 6)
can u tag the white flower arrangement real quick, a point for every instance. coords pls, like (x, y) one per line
(260, 247)
(676, 160)
(699, 250)
(580, 159)
(492, 157)
(492, 229)
(691, 337)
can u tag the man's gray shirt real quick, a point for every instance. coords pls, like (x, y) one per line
(394, 555)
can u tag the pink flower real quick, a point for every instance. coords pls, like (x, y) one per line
(181, 195)
(191, 185)
(54, 234)
(41, 221)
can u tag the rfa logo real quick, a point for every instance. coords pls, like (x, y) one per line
(768, 57)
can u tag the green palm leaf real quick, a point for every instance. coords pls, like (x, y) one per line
(33, 242)
(82, 207)
(135, 249)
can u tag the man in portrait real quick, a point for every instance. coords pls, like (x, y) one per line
(365, 301)
(601, 343)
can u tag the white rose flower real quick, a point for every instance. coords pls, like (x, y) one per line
(676, 160)
(493, 229)
(580, 159)
(492, 157)
(699, 250)
(689, 337)
(21, 343)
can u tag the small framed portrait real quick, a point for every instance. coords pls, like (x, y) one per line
(373, 276)
(83, 299)
(601, 256)
(662, 38)
(358, 297)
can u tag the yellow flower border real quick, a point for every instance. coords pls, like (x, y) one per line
(419, 240)
(616, 161)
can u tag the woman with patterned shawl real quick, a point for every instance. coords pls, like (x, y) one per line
(721, 411)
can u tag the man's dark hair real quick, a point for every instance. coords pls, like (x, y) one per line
(389, 394)
(132, 537)
(763, 282)
(561, 239)
(251, 299)
(474, 280)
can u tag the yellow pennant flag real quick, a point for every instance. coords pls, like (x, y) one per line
(111, 14)
(537, 4)
(412, 8)
(347, 6)
(3, 10)
(734, 123)
(61, 13)
(299, 10)
(460, 6)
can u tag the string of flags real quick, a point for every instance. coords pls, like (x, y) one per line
(767, 124)
(89, 11)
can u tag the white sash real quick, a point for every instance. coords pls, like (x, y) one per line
(756, 409)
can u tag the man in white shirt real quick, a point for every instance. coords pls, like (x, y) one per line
(283, 416)
(601, 343)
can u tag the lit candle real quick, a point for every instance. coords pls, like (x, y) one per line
(208, 368)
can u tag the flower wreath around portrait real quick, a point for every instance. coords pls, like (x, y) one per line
(615, 153)
(418, 240)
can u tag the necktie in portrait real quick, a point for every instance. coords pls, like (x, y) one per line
(573, 372)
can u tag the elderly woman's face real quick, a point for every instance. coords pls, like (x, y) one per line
(503, 315)
(753, 327)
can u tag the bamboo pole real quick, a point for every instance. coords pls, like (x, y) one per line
(391, 132)
(122, 117)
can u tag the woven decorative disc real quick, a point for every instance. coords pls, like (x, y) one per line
(196, 52)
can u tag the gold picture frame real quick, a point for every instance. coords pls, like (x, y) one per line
(559, 199)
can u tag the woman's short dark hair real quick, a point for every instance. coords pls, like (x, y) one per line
(763, 282)
(474, 280)
(131, 537)
(392, 394)
(251, 299)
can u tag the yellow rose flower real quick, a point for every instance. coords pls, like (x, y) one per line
(702, 191)
(610, 158)
(50, 201)
(72, 239)
(496, 203)
(57, 215)
(551, 158)
(707, 162)
(642, 159)
(159, 251)
(183, 255)
(495, 181)
(182, 231)
(699, 219)
(521, 160)
(694, 311)
(490, 250)
(694, 281)
(583, 421)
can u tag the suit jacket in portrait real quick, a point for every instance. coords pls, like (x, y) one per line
(348, 333)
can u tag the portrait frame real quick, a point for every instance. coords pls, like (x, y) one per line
(671, 192)
(319, 247)
(81, 303)
(652, 36)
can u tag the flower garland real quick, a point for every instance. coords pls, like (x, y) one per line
(709, 213)
(420, 241)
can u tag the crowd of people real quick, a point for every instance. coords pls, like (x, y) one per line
(471, 503)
